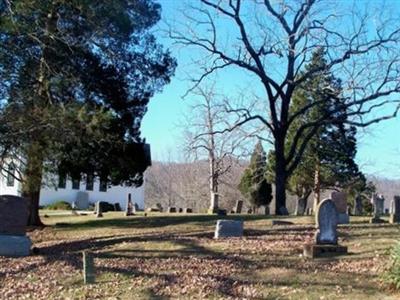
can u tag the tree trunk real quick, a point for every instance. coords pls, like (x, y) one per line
(317, 186)
(280, 181)
(213, 174)
(32, 182)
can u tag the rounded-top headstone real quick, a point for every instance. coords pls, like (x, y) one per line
(13, 215)
(326, 219)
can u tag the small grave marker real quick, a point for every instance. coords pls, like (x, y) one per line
(88, 267)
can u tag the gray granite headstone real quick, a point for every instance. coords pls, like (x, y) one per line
(326, 219)
(300, 206)
(340, 200)
(228, 228)
(13, 215)
(13, 219)
(395, 214)
(378, 204)
(82, 200)
(129, 206)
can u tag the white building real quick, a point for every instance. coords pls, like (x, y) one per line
(67, 191)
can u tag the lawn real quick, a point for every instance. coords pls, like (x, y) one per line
(174, 256)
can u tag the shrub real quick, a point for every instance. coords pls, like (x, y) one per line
(392, 275)
(59, 205)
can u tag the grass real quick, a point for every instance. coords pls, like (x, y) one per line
(174, 256)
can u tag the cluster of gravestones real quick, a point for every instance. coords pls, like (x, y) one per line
(185, 210)
(329, 213)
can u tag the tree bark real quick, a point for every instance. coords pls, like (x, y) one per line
(280, 179)
(32, 182)
(317, 186)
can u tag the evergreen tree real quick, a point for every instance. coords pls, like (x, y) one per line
(328, 159)
(253, 184)
(75, 79)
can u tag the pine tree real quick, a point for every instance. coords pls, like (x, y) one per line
(253, 184)
(328, 160)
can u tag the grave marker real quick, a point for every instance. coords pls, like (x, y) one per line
(13, 218)
(326, 237)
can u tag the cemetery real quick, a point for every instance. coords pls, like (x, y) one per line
(199, 149)
(125, 255)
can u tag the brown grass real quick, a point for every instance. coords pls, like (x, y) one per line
(175, 257)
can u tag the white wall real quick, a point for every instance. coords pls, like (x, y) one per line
(113, 194)
(49, 195)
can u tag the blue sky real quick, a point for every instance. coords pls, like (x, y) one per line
(378, 145)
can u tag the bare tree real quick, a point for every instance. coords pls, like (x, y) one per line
(206, 137)
(273, 40)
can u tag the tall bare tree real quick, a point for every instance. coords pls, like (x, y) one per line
(206, 137)
(273, 40)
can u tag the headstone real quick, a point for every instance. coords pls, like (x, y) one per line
(358, 208)
(221, 212)
(129, 206)
(395, 215)
(228, 228)
(326, 219)
(171, 209)
(214, 203)
(13, 218)
(380, 204)
(117, 207)
(283, 211)
(82, 200)
(326, 238)
(187, 210)
(99, 211)
(300, 206)
(106, 206)
(340, 201)
(238, 207)
(180, 210)
(88, 267)
(377, 202)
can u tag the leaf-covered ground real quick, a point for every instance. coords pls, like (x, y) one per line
(176, 257)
